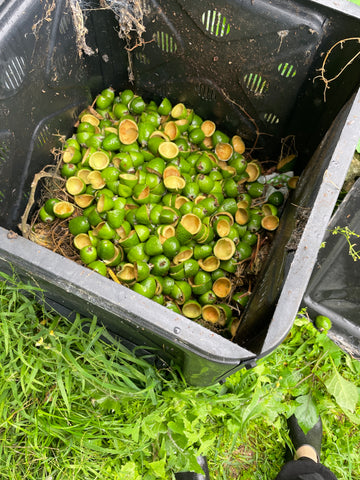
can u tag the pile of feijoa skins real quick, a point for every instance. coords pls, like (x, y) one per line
(170, 206)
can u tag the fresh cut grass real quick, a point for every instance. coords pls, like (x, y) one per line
(73, 406)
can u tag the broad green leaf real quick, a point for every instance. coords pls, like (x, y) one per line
(158, 468)
(306, 413)
(345, 392)
(129, 470)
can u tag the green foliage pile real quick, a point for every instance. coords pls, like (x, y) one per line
(73, 406)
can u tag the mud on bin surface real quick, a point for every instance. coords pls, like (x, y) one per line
(249, 66)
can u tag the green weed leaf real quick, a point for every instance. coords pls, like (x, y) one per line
(158, 468)
(345, 392)
(306, 413)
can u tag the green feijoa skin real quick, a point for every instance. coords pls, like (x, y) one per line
(152, 180)
(207, 298)
(255, 189)
(250, 238)
(88, 254)
(160, 265)
(165, 107)
(230, 188)
(196, 135)
(146, 288)
(49, 205)
(204, 164)
(229, 266)
(323, 323)
(151, 106)
(95, 141)
(196, 122)
(119, 203)
(184, 147)
(241, 229)
(158, 299)
(242, 178)
(103, 102)
(104, 203)
(123, 162)
(241, 298)
(168, 216)
(205, 183)
(45, 216)
(219, 137)
(142, 270)
(110, 174)
(199, 211)
(254, 224)
(120, 109)
(276, 198)
(173, 307)
(243, 251)
(145, 130)
(143, 232)
(105, 249)
(186, 208)
(137, 254)
(269, 209)
(171, 247)
(167, 284)
(234, 234)
(202, 251)
(151, 117)
(105, 231)
(72, 142)
(155, 214)
(126, 96)
(142, 215)
(105, 123)
(78, 225)
(156, 165)
(137, 105)
(229, 205)
(181, 291)
(111, 142)
(245, 197)
(113, 186)
(130, 216)
(193, 158)
(109, 93)
(216, 175)
(85, 127)
(210, 204)
(115, 217)
(99, 267)
(218, 273)
(153, 144)
(93, 216)
(68, 170)
(191, 190)
(191, 267)
(202, 278)
(137, 159)
(153, 246)
(238, 162)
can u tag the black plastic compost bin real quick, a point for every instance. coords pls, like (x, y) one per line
(237, 62)
(333, 289)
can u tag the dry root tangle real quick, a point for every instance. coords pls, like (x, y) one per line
(54, 236)
(322, 70)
